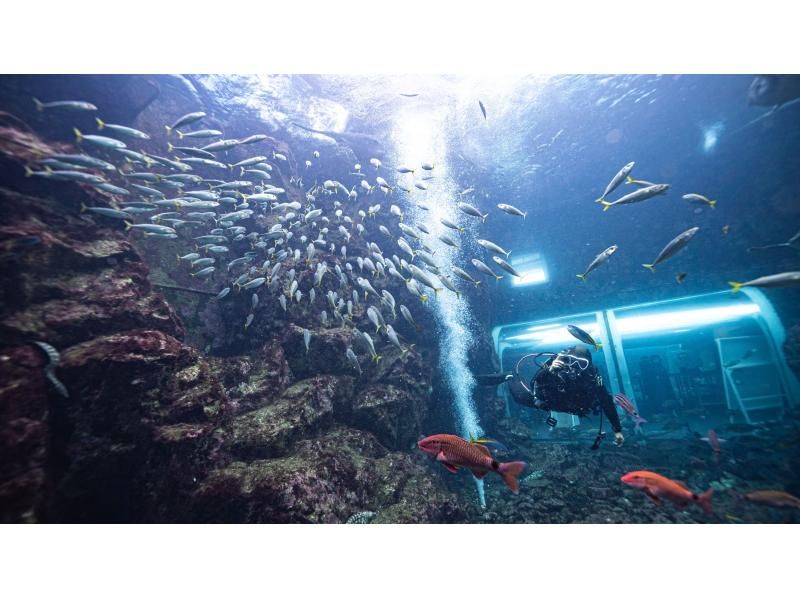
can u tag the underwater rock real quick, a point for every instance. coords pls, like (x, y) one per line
(393, 415)
(303, 410)
(326, 351)
(24, 412)
(325, 481)
(253, 381)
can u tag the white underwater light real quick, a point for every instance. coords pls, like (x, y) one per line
(685, 318)
(532, 269)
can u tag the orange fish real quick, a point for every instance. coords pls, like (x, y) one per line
(658, 487)
(454, 452)
(773, 498)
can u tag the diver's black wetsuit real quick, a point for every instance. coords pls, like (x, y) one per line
(567, 382)
(570, 390)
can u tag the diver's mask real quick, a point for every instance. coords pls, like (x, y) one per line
(571, 362)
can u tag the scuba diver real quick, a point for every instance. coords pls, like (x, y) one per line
(568, 383)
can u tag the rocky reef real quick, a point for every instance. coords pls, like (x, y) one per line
(153, 429)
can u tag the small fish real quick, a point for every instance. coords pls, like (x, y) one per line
(597, 261)
(484, 269)
(108, 212)
(282, 301)
(784, 279)
(376, 318)
(200, 134)
(124, 131)
(99, 140)
(697, 198)
(465, 276)
(714, 442)
(450, 224)
(680, 277)
(640, 182)
(204, 272)
(454, 452)
(306, 338)
(483, 109)
(492, 247)
(639, 195)
(509, 209)
(203, 261)
(409, 95)
(658, 487)
(256, 138)
(583, 336)
(726, 229)
(186, 119)
(673, 247)
(66, 105)
(223, 293)
(772, 498)
(408, 317)
(494, 445)
(618, 178)
(472, 210)
(353, 360)
(249, 320)
(627, 406)
(220, 146)
(506, 266)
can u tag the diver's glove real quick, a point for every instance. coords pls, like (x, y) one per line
(619, 439)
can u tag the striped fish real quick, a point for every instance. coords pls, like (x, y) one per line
(624, 402)
(454, 452)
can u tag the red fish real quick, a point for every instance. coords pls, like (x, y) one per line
(658, 487)
(624, 402)
(454, 452)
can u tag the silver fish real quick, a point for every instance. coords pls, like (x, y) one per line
(306, 338)
(784, 279)
(472, 210)
(617, 180)
(99, 140)
(64, 104)
(492, 247)
(597, 261)
(483, 268)
(353, 360)
(506, 266)
(639, 195)
(673, 247)
(186, 119)
(125, 131)
(509, 209)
